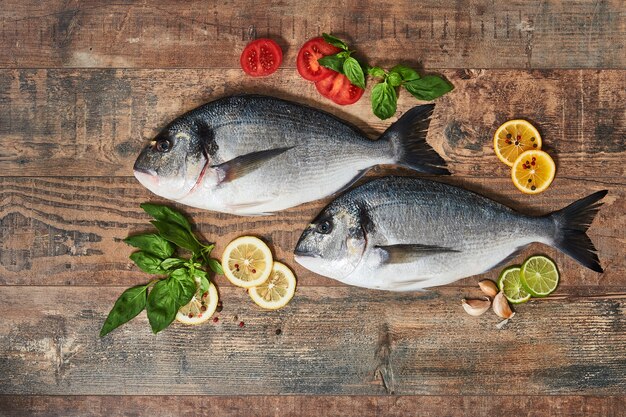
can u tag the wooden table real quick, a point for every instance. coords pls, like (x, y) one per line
(83, 85)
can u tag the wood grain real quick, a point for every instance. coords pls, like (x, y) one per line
(332, 341)
(207, 34)
(68, 231)
(94, 122)
(311, 406)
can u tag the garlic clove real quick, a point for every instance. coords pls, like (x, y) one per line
(488, 287)
(476, 307)
(501, 306)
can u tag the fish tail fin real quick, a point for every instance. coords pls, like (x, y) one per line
(408, 142)
(572, 223)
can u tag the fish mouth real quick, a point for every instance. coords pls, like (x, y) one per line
(299, 252)
(146, 171)
(146, 176)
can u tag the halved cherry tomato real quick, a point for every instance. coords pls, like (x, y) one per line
(339, 89)
(261, 57)
(311, 51)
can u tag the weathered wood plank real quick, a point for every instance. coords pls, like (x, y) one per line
(68, 231)
(208, 34)
(311, 406)
(332, 341)
(94, 122)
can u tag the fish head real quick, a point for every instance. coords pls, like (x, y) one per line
(172, 163)
(333, 244)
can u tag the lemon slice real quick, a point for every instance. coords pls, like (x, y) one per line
(200, 308)
(539, 276)
(513, 138)
(247, 261)
(533, 172)
(277, 291)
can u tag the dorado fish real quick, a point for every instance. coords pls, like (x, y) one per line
(252, 155)
(405, 234)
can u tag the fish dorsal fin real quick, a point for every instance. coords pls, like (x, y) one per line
(405, 253)
(245, 164)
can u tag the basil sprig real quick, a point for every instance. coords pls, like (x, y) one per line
(384, 95)
(181, 277)
(343, 61)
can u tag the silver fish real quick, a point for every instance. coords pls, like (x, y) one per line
(252, 155)
(405, 234)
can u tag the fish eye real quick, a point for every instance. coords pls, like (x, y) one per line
(324, 227)
(163, 145)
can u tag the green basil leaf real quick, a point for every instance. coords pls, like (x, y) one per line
(177, 235)
(216, 266)
(352, 69)
(182, 286)
(170, 263)
(147, 263)
(407, 74)
(128, 305)
(161, 306)
(428, 88)
(151, 243)
(394, 79)
(204, 284)
(335, 41)
(333, 62)
(376, 72)
(198, 274)
(166, 214)
(384, 100)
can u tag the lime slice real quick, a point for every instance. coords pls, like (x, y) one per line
(539, 276)
(510, 283)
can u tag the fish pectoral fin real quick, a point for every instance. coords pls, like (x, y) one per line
(405, 253)
(245, 164)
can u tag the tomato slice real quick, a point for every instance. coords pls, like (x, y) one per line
(311, 51)
(261, 57)
(339, 89)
